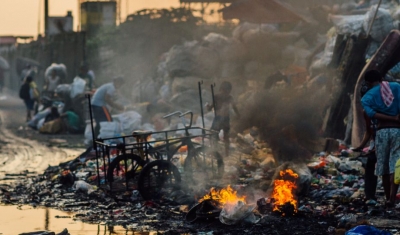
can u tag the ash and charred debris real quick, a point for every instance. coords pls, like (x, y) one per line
(329, 197)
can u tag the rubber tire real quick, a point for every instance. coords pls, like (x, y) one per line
(115, 162)
(149, 193)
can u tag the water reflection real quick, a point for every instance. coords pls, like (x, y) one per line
(46, 219)
(20, 219)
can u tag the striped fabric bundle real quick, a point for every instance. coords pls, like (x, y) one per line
(386, 93)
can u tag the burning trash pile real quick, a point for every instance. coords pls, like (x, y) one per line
(283, 194)
(224, 204)
(231, 208)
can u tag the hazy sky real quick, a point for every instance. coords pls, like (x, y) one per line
(22, 17)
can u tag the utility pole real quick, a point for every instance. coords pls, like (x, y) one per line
(46, 16)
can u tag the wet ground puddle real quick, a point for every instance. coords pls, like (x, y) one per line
(16, 220)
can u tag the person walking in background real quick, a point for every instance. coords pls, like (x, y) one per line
(382, 102)
(51, 82)
(105, 95)
(222, 104)
(28, 71)
(87, 75)
(29, 94)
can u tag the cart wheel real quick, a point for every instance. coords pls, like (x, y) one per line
(117, 166)
(203, 162)
(158, 178)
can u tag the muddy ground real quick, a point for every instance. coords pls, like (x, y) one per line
(25, 151)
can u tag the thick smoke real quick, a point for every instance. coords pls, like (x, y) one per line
(288, 119)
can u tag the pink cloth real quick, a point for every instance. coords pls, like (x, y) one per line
(386, 93)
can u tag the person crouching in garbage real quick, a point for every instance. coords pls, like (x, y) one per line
(103, 96)
(71, 122)
(382, 102)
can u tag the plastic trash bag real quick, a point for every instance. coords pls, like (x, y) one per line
(348, 166)
(63, 90)
(109, 129)
(325, 58)
(382, 26)
(333, 159)
(61, 70)
(348, 24)
(77, 86)
(129, 121)
(88, 134)
(235, 213)
(366, 230)
(192, 58)
(82, 186)
(347, 219)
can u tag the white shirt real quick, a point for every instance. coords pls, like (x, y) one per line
(52, 82)
(100, 94)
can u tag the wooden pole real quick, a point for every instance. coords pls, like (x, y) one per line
(373, 19)
(46, 16)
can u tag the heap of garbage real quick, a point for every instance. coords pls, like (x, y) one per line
(325, 191)
(329, 192)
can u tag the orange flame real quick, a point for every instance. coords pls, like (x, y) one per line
(223, 196)
(283, 190)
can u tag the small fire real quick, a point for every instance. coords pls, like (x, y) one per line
(223, 196)
(283, 190)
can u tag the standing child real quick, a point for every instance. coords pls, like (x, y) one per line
(29, 93)
(222, 104)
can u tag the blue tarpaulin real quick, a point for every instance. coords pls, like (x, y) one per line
(366, 230)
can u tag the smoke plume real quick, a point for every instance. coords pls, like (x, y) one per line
(288, 119)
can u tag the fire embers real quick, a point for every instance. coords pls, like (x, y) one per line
(283, 195)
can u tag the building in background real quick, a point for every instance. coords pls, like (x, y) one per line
(97, 14)
(7, 43)
(60, 24)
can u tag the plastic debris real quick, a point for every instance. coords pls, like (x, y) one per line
(235, 213)
(366, 230)
(84, 187)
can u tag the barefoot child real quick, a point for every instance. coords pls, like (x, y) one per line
(223, 103)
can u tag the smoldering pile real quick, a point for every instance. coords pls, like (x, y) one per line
(288, 119)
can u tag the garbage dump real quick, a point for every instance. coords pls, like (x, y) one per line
(280, 175)
(332, 200)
